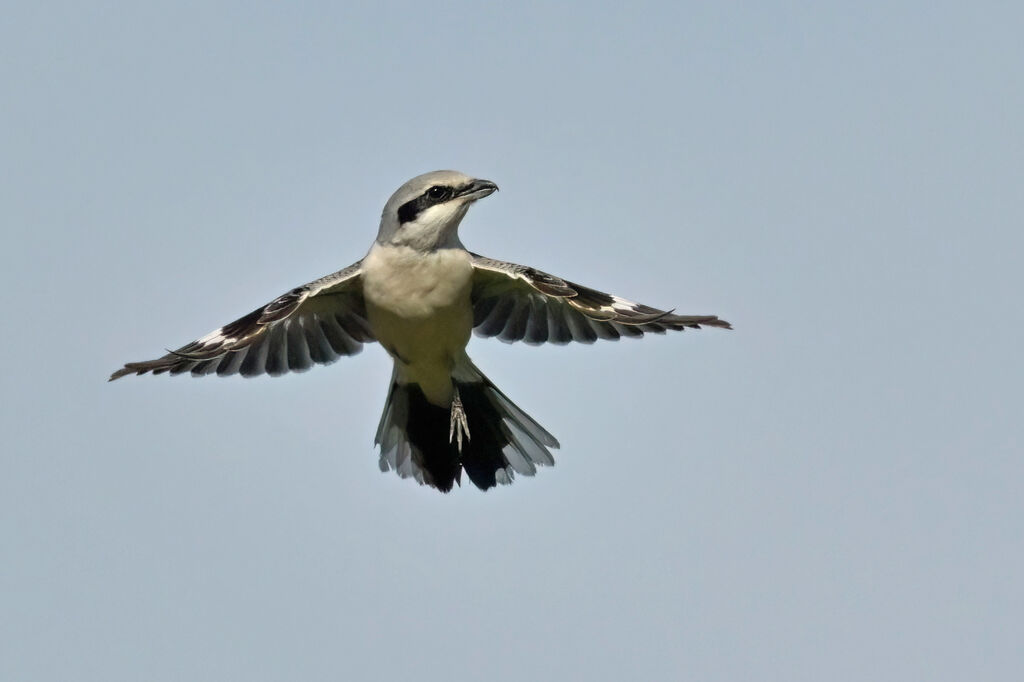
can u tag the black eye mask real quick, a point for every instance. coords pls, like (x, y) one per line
(438, 194)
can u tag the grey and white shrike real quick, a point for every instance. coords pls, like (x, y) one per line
(420, 293)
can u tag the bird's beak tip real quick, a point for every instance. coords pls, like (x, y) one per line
(478, 189)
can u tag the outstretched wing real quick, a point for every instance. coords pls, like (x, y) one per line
(315, 323)
(518, 303)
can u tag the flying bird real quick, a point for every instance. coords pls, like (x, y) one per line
(420, 294)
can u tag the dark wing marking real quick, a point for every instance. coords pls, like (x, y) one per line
(312, 324)
(518, 303)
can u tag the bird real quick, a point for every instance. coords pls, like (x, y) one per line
(420, 294)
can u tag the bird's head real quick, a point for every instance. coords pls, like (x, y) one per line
(425, 212)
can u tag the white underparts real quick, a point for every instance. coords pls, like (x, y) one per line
(418, 306)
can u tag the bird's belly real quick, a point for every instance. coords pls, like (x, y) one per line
(419, 308)
(437, 338)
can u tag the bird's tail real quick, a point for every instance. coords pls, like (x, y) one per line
(417, 438)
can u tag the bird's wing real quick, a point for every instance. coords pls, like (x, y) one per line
(519, 303)
(315, 323)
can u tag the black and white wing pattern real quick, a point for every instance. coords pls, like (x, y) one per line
(316, 323)
(518, 303)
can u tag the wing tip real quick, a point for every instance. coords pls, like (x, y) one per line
(125, 371)
(693, 321)
(715, 322)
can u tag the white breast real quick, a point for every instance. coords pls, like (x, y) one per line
(413, 284)
(418, 305)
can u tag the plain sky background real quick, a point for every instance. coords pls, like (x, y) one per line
(833, 491)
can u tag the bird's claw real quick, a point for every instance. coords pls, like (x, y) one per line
(459, 425)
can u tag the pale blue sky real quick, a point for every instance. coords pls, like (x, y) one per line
(831, 491)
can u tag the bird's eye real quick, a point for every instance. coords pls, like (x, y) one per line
(437, 192)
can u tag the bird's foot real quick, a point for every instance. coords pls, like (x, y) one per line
(459, 425)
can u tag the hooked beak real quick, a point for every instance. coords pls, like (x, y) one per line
(478, 189)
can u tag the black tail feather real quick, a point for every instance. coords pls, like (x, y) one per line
(482, 455)
(415, 437)
(427, 430)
